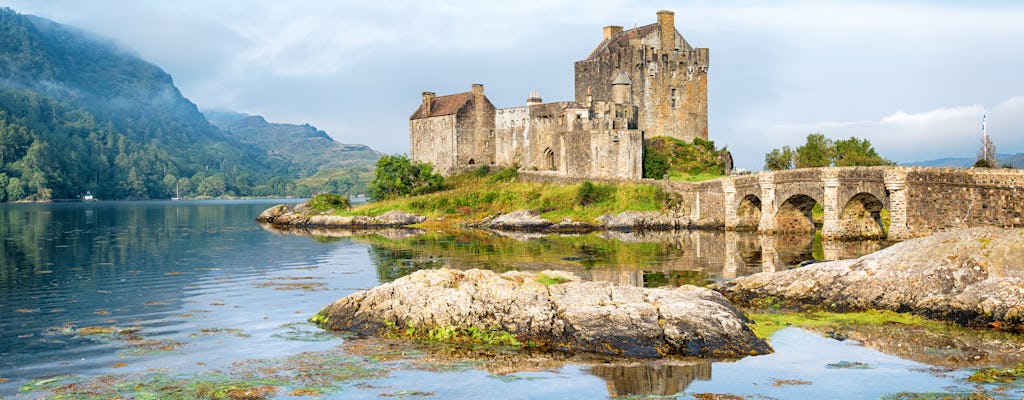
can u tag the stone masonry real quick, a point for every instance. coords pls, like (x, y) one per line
(919, 201)
(637, 83)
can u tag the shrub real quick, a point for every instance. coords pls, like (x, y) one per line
(397, 176)
(589, 193)
(325, 201)
(505, 175)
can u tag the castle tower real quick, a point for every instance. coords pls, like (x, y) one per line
(668, 78)
(621, 88)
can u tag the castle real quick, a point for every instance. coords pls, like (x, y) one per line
(642, 82)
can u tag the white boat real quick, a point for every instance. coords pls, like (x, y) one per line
(176, 194)
(88, 196)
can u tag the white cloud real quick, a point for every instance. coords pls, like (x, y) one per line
(356, 68)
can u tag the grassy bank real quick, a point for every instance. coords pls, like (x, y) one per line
(475, 195)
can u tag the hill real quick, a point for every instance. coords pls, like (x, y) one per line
(79, 113)
(1015, 160)
(304, 144)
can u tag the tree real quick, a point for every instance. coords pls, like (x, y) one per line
(397, 176)
(819, 151)
(987, 154)
(854, 152)
(778, 160)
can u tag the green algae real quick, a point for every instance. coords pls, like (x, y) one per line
(221, 331)
(548, 280)
(998, 375)
(936, 396)
(453, 334)
(848, 365)
(307, 332)
(304, 374)
(767, 323)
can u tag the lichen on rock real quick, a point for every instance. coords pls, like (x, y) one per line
(553, 310)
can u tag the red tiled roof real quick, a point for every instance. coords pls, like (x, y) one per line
(621, 39)
(443, 105)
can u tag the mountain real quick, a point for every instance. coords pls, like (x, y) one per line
(79, 113)
(1014, 160)
(304, 144)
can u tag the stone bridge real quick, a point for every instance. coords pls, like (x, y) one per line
(853, 200)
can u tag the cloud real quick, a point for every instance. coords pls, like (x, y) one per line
(356, 68)
(906, 137)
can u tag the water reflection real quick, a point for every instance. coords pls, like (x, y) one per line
(631, 258)
(650, 379)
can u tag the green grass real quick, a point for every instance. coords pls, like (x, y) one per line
(473, 196)
(767, 323)
(547, 280)
(698, 177)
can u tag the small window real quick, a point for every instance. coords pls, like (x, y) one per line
(471, 161)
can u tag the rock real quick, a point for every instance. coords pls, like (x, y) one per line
(569, 226)
(398, 218)
(273, 212)
(522, 220)
(302, 216)
(643, 220)
(973, 277)
(568, 315)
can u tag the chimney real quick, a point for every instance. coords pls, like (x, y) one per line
(428, 102)
(478, 90)
(667, 22)
(534, 99)
(611, 30)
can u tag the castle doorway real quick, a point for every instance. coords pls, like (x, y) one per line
(549, 159)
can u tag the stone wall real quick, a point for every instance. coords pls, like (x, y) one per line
(474, 131)
(945, 199)
(432, 140)
(668, 84)
(920, 201)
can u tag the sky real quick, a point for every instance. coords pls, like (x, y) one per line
(913, 77)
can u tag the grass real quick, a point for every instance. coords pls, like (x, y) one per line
(767, 323)
(548, 280)
(698, 177)
(473, 196)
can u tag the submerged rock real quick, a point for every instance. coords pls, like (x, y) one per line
(973, 277)
(302, 216)
(554, 310)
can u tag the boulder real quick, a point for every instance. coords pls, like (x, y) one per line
(644, 220)
(973, 277)
(522, 220)
(555, 310)
(302, 216)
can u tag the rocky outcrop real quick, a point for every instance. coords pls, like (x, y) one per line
(644, 220)
(531, 221)
(555, 310)
(973, 277)
(302, 216)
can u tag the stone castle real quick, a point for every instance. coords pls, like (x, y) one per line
(642, 82)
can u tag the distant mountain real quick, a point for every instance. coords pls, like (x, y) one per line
(1015, 160)
(304, 144)
(79, 113)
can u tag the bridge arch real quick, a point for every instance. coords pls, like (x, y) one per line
(748, 213)
(860, 217)
(794, 214)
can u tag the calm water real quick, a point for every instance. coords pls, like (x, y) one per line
(107, 293)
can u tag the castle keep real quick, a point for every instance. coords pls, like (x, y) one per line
(646, 81)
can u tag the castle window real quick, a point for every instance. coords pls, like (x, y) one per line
(664, 58)
(471, 161)
(673, 98)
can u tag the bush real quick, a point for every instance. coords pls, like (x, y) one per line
(505, 175)
(325, 201)
(397, 176)
(589, 193)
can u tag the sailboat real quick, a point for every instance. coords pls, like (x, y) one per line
(176, 194)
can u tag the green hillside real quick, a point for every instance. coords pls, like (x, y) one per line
(304, 145)
(78, 113)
